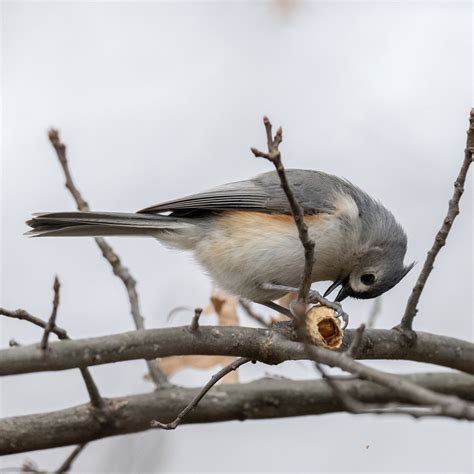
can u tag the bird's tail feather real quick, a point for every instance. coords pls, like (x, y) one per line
(98, 224)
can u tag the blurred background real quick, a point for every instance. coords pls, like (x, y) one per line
(156, 100)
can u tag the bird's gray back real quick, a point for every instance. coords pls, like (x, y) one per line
(315, 191)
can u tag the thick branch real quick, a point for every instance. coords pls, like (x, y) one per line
(264, 345)
(267, 398)
(442, 235)
(442, 405)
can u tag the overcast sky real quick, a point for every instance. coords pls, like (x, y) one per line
(157, 100)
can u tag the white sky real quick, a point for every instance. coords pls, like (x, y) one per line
(156, 100)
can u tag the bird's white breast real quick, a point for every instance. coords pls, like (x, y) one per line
(242, 250)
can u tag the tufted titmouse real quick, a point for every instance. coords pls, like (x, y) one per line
(244, 235)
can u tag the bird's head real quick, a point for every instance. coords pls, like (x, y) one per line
(377, 270)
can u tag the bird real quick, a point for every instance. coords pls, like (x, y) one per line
(244, 236)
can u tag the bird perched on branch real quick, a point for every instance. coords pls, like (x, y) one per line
(244, 235)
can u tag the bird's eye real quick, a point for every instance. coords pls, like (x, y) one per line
(367, 279)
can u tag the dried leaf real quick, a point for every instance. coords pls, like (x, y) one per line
(225, 308)
(287, 299)
(285, 302)
(173, 364)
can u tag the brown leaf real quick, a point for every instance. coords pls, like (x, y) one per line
(173, 364)
(287, 299)
(225, 307)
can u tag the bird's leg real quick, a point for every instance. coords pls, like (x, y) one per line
(278, 308)
(314, 297)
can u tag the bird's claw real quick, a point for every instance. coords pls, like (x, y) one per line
(316, 297)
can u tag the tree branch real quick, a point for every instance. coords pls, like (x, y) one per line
(108, 253)
(67, 464)
(200, 395)
(442, 405)
(52, 319)
(24, 315)
(194, 326)
(447, 406)
(246, 305)
(442, 235)
(270, 346)
(50, 326)
(274, 156)
(266, 398)
(374, 312)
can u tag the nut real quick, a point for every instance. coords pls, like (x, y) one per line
(323, 327)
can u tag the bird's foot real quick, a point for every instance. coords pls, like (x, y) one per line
(314, 297)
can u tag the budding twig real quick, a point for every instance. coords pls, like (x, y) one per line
(52, 319)
(274, 156)
(440, 239)
(195, 322)
(120, 270)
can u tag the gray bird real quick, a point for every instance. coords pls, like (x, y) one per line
(244, 236)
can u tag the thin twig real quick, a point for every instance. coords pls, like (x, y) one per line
(66, 465)
(444, 405)
(94, 394)
(440, 239)
(351, 404)
(54, 313)
(176, 310)
(356, 341)
(454, 407)
(299, 308)
(274, 156)
(194, 326)
(252, 314)
(122, 272)
(30, 467)
(23, 315)
(193, 403)
(356, 407)
(374, 312)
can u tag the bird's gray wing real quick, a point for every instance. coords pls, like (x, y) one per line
(312, 189)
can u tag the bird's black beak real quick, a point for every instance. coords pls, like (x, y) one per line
(343, 292)
(332, 287)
